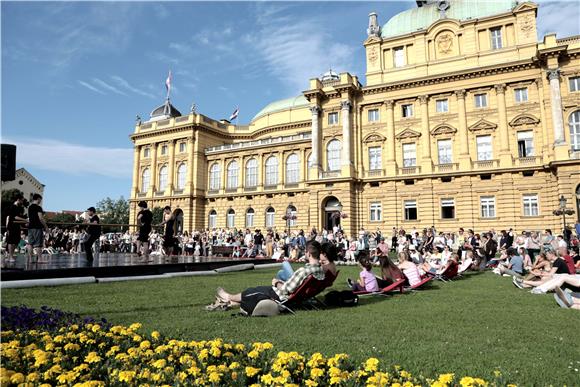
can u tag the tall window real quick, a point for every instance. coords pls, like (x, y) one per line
(146, 152)
(373, 115)
(212, 221)
(480, 100)
(521, 94)
(526, 143)
(407, 110)
(145, 179)
(182, 147)
(484, 149)
(574, 83)
(409, 155)
(271, 171)
(251, 173)
(232, 181)
(293, 213)
(445, 151)
(250, 217)
(530, 202)
(231, 218)
(399, 56)
(376, 212)
(163, 178)
(270, 213)
(292, 169)
(487, 204)
(214, 177)
(163, 150)
(410, 210)
(333, 118)
(447, 208)
(333, 149)
(375, 161)
(574, 124)
(496, 42)
(442, 106)
(310, 164)
(181, 172)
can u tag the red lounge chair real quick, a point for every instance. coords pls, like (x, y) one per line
(419, 285)
(449, 273)
(310, 288)
(398, 284)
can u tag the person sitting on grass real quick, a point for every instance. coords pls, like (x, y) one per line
(390, 273)
(557, 282)
(367, 281)
(328, 254)
(558, 267)
(567, 300)
(279, 291)
(542, 265)
(515, 266)
(409, 268)
(439, 269)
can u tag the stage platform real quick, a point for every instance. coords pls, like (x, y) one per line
(113, 265)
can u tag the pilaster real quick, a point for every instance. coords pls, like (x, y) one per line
(170, 168)
(505, 157)
(391, 163)
(560, 147)
(316, 141)
(464, 158)
(426, 161)
(346, 160)
(153, 185)
(135, 184)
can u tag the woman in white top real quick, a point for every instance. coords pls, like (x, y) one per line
(409, 269)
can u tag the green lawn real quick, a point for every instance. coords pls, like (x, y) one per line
(472, 326)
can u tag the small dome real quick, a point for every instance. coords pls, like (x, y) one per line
(283, 104)
(167, 110)
(330, 76)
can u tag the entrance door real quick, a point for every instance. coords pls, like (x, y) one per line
(331, 213)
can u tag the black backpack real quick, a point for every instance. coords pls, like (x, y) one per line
(341, 299)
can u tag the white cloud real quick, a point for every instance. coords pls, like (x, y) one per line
(106, 86)
(91, 87)
(125, 84)
(561, 17)
(73, 159)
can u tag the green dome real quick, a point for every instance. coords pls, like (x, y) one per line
(283, 104)
(421, 18)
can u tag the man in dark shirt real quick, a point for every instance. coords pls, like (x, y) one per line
(36, 226)
(144, 220)
(258, 241)
(14, 220)
(94, 231)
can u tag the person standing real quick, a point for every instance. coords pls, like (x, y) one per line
(144, 219)
(169, 235)
(93, 230)
(14, 220)
(36, 226)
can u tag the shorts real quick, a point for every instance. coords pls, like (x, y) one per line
(169, 241)
(13, 235)
(36, 237)
(144, 233)
(251, 297)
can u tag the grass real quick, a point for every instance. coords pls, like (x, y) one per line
(471, 326)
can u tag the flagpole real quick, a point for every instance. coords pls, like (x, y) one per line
(237, 117)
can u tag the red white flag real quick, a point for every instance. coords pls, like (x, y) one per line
(235, 114)
(168, 83)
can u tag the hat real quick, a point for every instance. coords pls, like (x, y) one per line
(91, 209)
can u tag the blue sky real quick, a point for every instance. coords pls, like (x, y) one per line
(75, 74)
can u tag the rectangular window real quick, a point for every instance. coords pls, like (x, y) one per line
(530, 205)
(333, 118)
(526, 143)
(487, 204)
(231, 218)
(249, 219)
(373, 115)
(163, 150)
(409, 155)
(146, 152)
(496, 42)
(182, 147)
(410, 210)
(484, 148)
(407, 110)
(270, 219)
(212, 220)
(442, 106)
(445, 151)
(376, 212)
(574, 84)
(480, 100)
(448, 208)
(521, 94)
(399, 56)
(375, 161)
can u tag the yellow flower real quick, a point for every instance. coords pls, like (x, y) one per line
(92, 357)
(371, 364)
(267, 346)
(33, 377)
(159, 363)
(155, 335)
(234, 365)
(127, 376)
(267, 379)
(335, 380)
(72, 347)
(17, 378)
(404, 374)
(66, 377)
(253, 354)
(315, 373)
(446, 378)
(215, 352)
(145, 345)
(95, 328)
(467, 381)
(311, 383)
(214, 377)
(135, 326)
(240, 347)
(251, 371)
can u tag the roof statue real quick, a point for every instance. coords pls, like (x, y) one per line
(374, 28)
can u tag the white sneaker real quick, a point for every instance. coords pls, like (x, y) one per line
(537, 291)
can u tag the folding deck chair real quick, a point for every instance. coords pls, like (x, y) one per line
(382, 292)
(310, 288)
(448, 274)
(464, 267)
(425, 279)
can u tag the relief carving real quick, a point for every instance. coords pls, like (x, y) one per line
(374, 137)
(408, 133)
(445, 43)
(443, 129)
(524, 120)
(482, 125)
(527, 25)
(373, 55)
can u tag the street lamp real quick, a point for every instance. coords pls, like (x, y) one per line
(563, 211)
(289, 217)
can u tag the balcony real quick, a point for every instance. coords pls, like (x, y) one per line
(250, 189)
(448, 167)
(375, 173)
(258, 143)
(574, 154)
(409, 170)
(484, 164)
(329, 174)
(528, 160)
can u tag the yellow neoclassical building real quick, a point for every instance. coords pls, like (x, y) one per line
(465, 120)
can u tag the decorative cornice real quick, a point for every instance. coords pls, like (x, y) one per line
(482, 125)
(524, 119)
(443, 129)
(374, 137)
(408, 133)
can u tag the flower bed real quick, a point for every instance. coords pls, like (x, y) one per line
(88, 354)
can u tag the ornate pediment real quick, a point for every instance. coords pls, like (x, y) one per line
(374, 137)
(408, 133)
(524, 119)
(482, 125)
(443, 129)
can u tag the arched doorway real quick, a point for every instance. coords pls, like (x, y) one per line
(178, 214)
(331, 209)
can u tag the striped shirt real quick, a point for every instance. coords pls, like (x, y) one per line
(297, 279)
(413, 275)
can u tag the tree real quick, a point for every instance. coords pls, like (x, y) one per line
(157, 215)
(8, 197)
(113, 212)
(62, 217)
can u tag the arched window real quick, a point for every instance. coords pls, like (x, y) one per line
(232, 181)
(309, 164)
(333, 149)
(292, 169)
(574, 124)
(231, 218)
(271, 171)
(163, 178)
(250, 217)
(214, 177)
(181, 171)
(145, 180)
(293, 213)
(270, 213)
(251, 173)
(212, 219)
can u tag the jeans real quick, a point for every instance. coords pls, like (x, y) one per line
(286, 272)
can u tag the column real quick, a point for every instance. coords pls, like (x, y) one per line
(260, 172)
(153, 185)
(505, 157)
(303, 166)
(224, 173)
(135, 185)
(391, 163)
(546, 149)
(464, 159)
(191, 166)
(281, 169)
(170, 168)
(426, 162)
(557, 120)
(242, 174)
(346, 161)
(315, 110)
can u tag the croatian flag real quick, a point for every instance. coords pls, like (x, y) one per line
(168, 82)
(235, 114)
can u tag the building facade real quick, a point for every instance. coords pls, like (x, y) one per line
(25, 183)
(466, 120)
